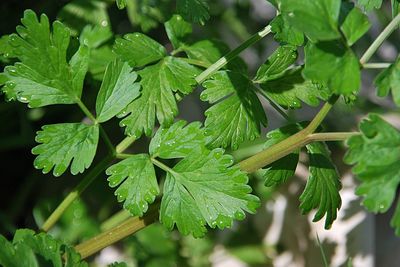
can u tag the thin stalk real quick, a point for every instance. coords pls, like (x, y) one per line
(126, 228)
(326, 137)
(231, 55)
(274, 105)
(86, 111)
(314, 124)
(74, 194)
(115, 220)
(124, 144)
(380, 39)
(123, 155)
(162, 166)
(107, 140)
(376, 65)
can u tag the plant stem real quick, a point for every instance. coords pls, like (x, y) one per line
(231, 55)
(162, 166)
(124, 144)
(123, 155)
(74, 194)
(380, 39)
(325, 137)
(195, 62)
(116, 219)
(126, 228)
(274, 105)
(86, 111)
(376, 65)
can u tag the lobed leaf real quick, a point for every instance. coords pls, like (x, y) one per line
(117, 90)
(323, 185)
(193, 10)
(292, 88)
(158, 82)
(30, 249)
(204, 188)
(237, 114)
(138, 49)
(355, 25)
(284, 33)
(177, 30)
(370, 4)
(43, 76)
(389, 81)
(64, 143)
(136, 181)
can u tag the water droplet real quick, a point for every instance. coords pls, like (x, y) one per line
(203, 96)
(6, 55)
(10, 84)
(178, 18)
(104, 23)
(154, 191)
(213, 224)
(382, 207)
(137, 35)
(239, 215)
(22, 99)
(148, 198)
(12, 70)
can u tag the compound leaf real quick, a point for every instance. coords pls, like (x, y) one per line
(204, 188)
(323, 185)
(334, 65)
(276, 64)
(30, 249)
(63, 143)
(376, 155)
(389, 80)
(177, 30)
(291, 89)
(279, 171)
(43, 76)
(117, 90)
(316, 18)
(193, 10)
(159, 82)
(136, 181)
(138, 49)
(177, 141)
(237, 116)
(285, 33)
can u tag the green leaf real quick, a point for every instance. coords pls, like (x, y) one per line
(281, 170)
(177, 30)
(95, 36)
(34, 250)
(204, 188)
(323, 185)
(316, 18)
(177, 141)
(136, 181)
(209, 51)
(138, 49)
(395, 7)
(370, 4)
(355, 25)
(117, 90)
(237, 114)
(63, 143)
(389, 80)
(99, 60)
(395, 221)
(78, 14)
(376, 155)
(158, 82)
(149, 13)
(333, 65)
(291, 89)
(276, 64)
(193, 10)
(284, 33)
(121, 4)
(43, 77)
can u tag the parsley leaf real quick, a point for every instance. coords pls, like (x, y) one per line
(355, 25)
(376, 155)
(138, 49)
(285, 33)
(279, 171)
(289, 90)
(276, 64)
(323, 185)
(193, 10)
(204, 188)
(389, 80)
(370, 4)
(159, 82)
(237, 114)
(137, 183)
(121, 4)
(177, 141)
(316, 18)
(43, 77)
(65, 142)
(177, 30)
(30, 249)
(117, 90)
(334, 65)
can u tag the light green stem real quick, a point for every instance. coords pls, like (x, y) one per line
(376, 65)
(231, 55)
(124, 144)
(116, 219)
(380, 39)
(74, 194)
(195, 62)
